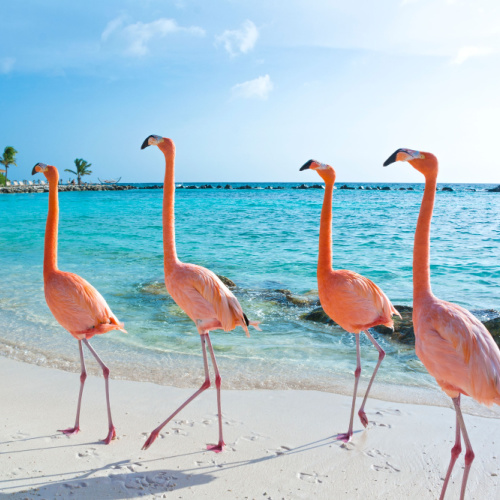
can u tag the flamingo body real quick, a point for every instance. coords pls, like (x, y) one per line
(353, 301)
(203, 297)
(78, 306)
(458, 351)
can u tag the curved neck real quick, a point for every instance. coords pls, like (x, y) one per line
(325, 229)
(169, 252)
(421, 248)
(50, 249)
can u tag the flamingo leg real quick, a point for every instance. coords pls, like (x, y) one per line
(455, 452)
(381, 356)
(105, 371)
(152, 437)
(83, 376)
(220, 446)
(469, 454)
(348, 435)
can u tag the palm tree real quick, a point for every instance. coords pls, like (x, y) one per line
(82, 168)
(8, 158)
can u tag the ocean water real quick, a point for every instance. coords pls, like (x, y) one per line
(263, 240)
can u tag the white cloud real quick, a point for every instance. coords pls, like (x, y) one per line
(6, 65)
(239, 41)
(468, 52)
(254, 89)
(137, 36)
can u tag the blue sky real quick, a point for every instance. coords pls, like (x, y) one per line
(249, 90)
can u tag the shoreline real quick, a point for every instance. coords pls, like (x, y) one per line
(280, 444)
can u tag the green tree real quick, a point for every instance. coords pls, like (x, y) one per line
(8, 158)
(82, 168)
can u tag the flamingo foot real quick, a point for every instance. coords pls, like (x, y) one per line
(216, 447)
(151, 439)
(111, 436)
(70, 431)
(346, 437)
(363, 418)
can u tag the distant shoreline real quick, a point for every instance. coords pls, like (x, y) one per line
(274, 186)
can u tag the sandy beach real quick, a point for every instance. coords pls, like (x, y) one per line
(280, 444)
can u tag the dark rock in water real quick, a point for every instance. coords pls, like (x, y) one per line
(361, 187)
(403, 328)
(385, 188)
(319, 316)
(279, 187)
(446, 188)
(219, 187)
(316, 186)
(345, 186)
(494, 190)
(228, 186)
(493, 326)
(229, 283)
(191, 187)
(302, 186)
(410, 189)
(299, 300)
(206, 186)
(368, 188)
(402, 189)
(246, 186)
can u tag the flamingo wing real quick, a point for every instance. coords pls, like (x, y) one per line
(358, 297)
(78, 306)
(460, 353)
(224, 304)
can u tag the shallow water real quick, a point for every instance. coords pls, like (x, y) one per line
(261, 239)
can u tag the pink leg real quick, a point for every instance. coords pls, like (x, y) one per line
(381, 356)
(83, 376)
(469, 454)
(455, 452)
(105, 372)
(205, 385)
(348, 435)
(220, 446)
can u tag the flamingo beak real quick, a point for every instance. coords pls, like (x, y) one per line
(403, 154)
(39, 167)
(306, 165)
(152, 140)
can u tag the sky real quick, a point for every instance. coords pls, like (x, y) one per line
(251, 89)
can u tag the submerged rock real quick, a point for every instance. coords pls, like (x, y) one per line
(494, 190)
(403, 327)
(229, 283)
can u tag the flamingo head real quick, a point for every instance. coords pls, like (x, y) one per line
(425, 163)
(163, 143)
(325, 171)
(49, 171)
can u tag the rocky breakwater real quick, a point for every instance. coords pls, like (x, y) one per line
(403, 327)
(41, 188)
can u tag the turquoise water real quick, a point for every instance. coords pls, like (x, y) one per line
(261, 239)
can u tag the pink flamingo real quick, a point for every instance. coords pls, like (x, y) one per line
(196, 290)
(351, 300)
(455, 347)
(76, 304)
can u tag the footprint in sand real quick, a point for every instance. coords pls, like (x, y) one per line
(20, 435)
(282, 450)
(253, 437)
(180, 432)
(91, 452)
(374, 453)
(312, 477)
(388, 467)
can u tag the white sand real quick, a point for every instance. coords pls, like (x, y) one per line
(280, 444)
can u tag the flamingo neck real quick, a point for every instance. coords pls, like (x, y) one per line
(51, 228)
(325, 230)
(169, 252)
(421, 248)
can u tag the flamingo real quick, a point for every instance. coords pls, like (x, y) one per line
(196, 290)
(76, 304)
(455, 347)
(351, 300)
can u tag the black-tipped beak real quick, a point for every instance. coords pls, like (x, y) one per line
(33, 172)
(306, 165)
(392, 158)
(145, 144)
